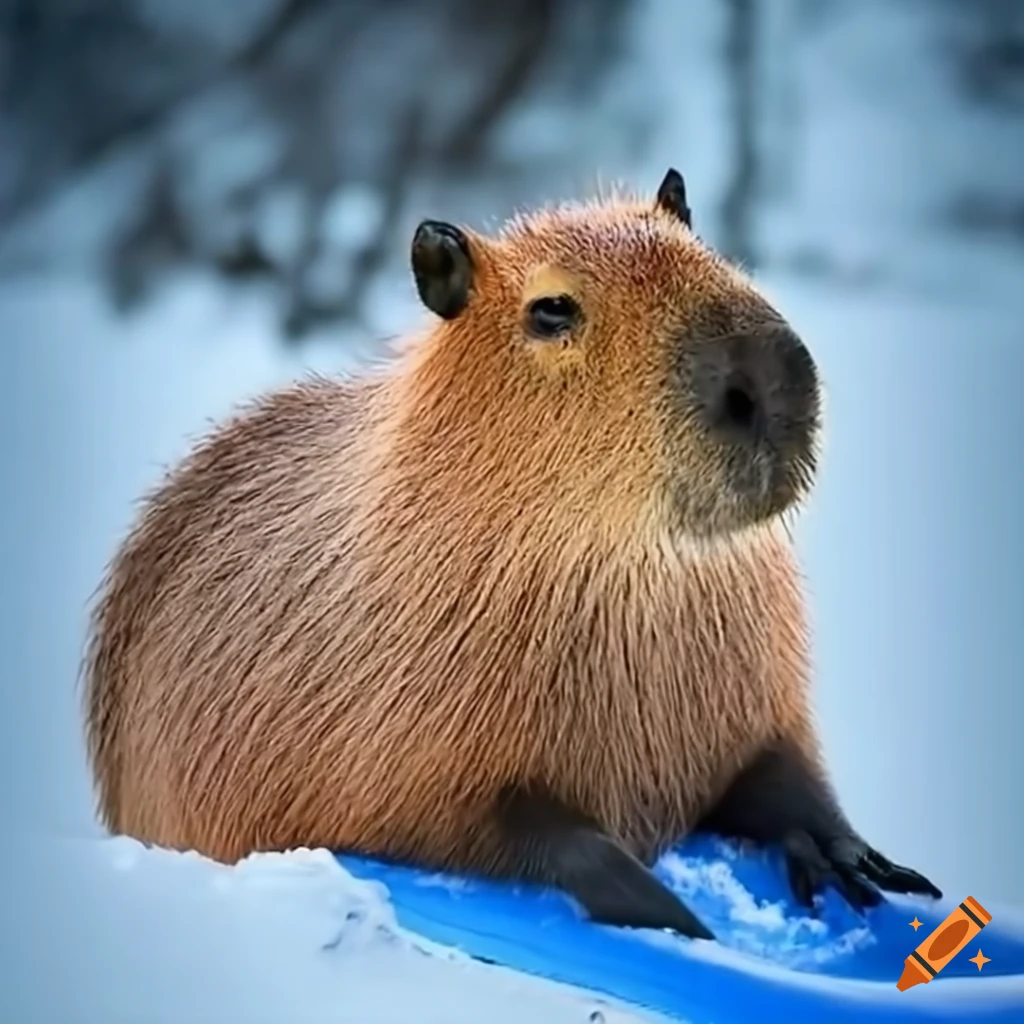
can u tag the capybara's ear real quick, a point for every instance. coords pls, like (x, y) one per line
(672, 197)
(443, 267)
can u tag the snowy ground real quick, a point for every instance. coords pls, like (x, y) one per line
(912, 547)
(277, 938)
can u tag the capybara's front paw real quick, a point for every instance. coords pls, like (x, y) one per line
(853, 852)
(851, 867)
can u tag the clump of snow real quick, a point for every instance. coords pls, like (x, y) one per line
(717, 879)
(450, 883)
(760, 927)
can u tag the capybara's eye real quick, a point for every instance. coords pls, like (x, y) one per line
(552, 315)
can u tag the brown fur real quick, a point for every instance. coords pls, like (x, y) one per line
(361, 608)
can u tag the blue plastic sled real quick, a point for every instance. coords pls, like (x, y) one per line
(773, 961)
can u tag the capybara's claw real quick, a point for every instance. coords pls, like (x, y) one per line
(856, 853)
(811, 870)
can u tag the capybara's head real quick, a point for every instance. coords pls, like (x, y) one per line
(601, 355)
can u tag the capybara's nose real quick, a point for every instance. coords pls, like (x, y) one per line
(756, 386)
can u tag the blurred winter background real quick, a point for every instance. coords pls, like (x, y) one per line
(202, 199)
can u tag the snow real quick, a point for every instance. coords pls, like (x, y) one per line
(278, 937)
(911, 544)
(763, 928)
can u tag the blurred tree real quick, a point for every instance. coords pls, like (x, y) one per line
(741, 65)
(986, 40)
(280, 138)
(984, 44)
(79, 77)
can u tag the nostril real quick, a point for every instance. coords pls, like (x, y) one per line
(739, 407)
(754, 390)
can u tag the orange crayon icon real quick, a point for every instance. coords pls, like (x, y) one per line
(962, 925)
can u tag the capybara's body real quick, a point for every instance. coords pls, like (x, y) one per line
(292, 655)
(541, 549)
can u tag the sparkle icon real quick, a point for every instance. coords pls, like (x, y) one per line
(980, 959)
(915, 924)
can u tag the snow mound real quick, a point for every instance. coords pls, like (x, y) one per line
(278, 937)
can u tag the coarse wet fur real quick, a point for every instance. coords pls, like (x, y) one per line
(520, 603)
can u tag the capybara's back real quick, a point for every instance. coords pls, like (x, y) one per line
(207, 611)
